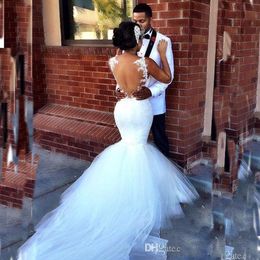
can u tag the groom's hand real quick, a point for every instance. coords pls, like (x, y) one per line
(143, 93)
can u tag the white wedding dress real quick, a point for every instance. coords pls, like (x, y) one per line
(119, 204)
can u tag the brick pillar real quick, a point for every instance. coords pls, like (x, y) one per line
(235, 93)
(186, 23)
(24, 43)
(5, 68)
(247, 52)
(22, 147)
(17, 180)
(5, 73)
(38, 70)
(10, 25)
(238, 75)
(17, 34)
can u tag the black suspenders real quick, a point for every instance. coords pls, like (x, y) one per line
(151, 44)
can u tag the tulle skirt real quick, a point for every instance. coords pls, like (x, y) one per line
(129, 192)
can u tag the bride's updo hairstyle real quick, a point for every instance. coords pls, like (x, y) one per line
(126, 36)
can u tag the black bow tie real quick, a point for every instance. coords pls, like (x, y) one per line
(146, 36)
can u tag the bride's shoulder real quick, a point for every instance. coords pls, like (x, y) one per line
(112, 62)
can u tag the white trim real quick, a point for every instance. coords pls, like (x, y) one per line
(226, 46)
(221, 149)
(2, 41)
(51, 22)
(212, 42)
(29, 29)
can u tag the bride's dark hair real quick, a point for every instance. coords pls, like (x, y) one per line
(124, 36)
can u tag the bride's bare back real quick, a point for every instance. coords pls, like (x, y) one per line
(129, 71)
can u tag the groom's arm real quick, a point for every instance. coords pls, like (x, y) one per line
(158, 88)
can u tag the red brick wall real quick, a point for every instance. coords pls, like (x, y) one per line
(227, 72)
(23, 45)
(247, 52)
(76, 76)
(5, 69)
(235, 86)
(5, 73)
(15, 186)
(186, 23)
(194, 93)
(17, 25)
(17, 22)
(10, 24)
(235, 92)
(79, 76)
(38, 69)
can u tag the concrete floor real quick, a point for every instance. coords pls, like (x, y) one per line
(55, 173)
(217, 226)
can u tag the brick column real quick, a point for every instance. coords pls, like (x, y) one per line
(17, 35)
(38, 70)
(10, 24)
(186, 23)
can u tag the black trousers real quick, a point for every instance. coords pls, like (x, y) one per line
(159, 134)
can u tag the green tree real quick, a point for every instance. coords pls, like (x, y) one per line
(109, 16)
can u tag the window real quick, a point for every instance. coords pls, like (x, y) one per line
(92, 21)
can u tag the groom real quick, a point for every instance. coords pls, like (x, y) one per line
(155, 90)
(142, 15)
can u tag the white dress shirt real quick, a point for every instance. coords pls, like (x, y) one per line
(157, 88)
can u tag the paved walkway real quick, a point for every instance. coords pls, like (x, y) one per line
(212, 227)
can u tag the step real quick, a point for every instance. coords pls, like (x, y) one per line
(79, 114)
(78, 132)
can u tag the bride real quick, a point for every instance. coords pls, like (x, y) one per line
(130, 191)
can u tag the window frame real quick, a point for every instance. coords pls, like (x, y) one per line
(87, 43)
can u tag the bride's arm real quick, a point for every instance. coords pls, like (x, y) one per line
(161, 74)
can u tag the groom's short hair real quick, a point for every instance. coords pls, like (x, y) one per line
(143, 8)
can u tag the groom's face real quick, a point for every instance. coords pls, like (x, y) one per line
(143, 21)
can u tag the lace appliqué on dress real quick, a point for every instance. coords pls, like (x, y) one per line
(142, 66)
(113, 62)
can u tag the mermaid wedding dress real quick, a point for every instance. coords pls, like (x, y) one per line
(115, 210)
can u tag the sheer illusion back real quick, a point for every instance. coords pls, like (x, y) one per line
(129, 76)
(133, 117)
